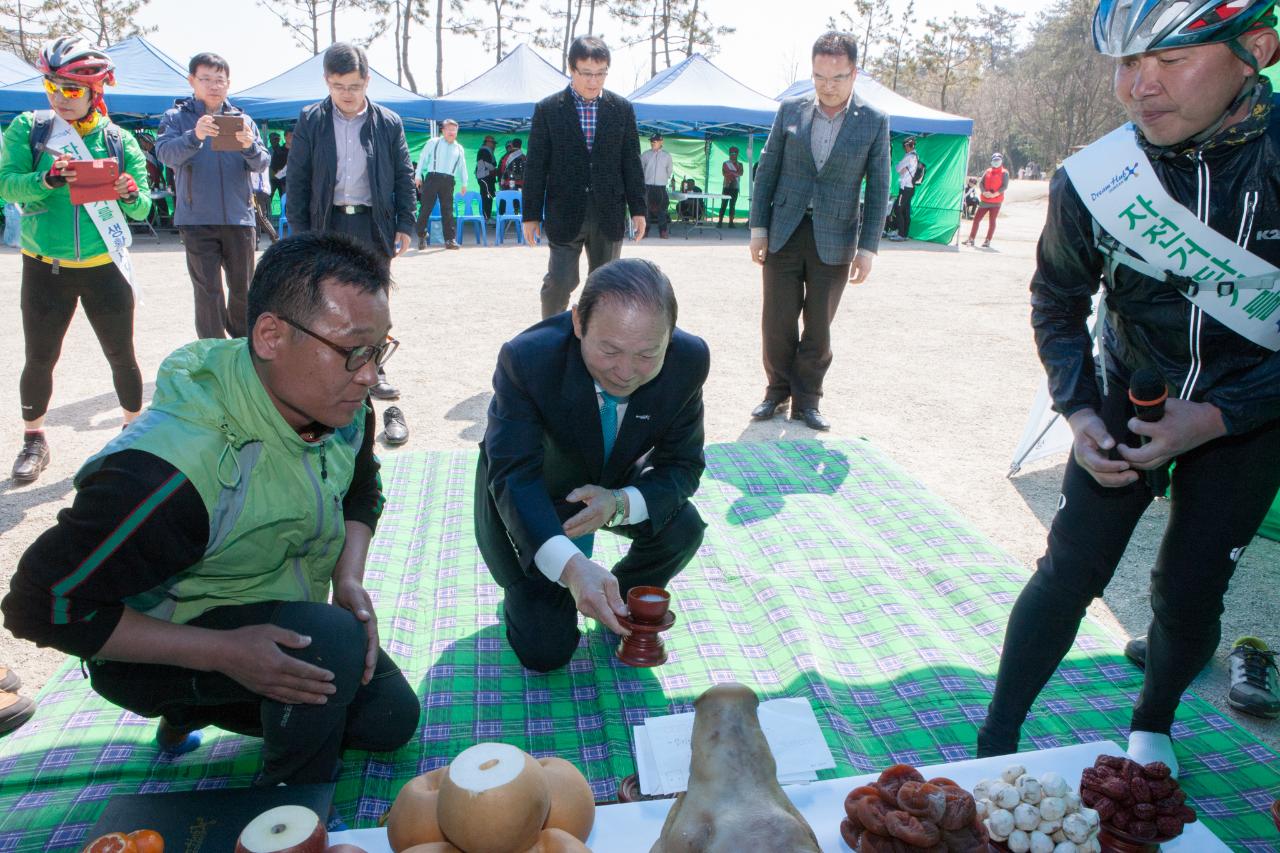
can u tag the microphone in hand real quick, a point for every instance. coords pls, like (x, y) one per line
(1147, 393)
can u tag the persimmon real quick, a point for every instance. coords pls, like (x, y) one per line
(112, 842)
(147, 841)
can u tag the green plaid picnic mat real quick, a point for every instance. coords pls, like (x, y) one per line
(826, 572)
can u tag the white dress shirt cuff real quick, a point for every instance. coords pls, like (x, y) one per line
(867, 252)
(760, 233)
(637, 509)
(554, 555)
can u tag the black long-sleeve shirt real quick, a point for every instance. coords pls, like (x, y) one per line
(134, 541)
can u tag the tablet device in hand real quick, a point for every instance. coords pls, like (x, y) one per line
(228, 127)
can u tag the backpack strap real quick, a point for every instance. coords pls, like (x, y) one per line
(41, 130)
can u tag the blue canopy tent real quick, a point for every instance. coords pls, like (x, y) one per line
(695, 98)
(502, 98)
(942, 143)
(147, 83)
(13, 69)
(282, 97)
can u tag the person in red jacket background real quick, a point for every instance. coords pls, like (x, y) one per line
(991, 192)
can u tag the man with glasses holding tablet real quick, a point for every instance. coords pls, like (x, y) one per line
(210, 570)
(350, 172)
(582, 174)
(214, 149)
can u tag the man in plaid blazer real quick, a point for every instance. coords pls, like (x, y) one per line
(805, 227)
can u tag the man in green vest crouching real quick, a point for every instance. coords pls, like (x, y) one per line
(195, 569)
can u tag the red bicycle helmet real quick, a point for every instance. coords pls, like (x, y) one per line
(74, 59)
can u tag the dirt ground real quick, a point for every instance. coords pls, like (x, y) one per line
(934, 364)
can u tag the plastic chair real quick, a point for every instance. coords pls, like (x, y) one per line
(282, 227)
(507, 200)
(434, 217)
(470, 201)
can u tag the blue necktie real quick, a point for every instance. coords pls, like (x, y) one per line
(609, 432)
(609, 420)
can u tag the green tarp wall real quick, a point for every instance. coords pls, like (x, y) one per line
(689, 155)
(935, 208)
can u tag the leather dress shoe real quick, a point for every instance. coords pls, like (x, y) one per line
(9, 680)
(384, 390)
(452, 244)
(14, 711)
(393, 422)
(1136, 651)
(32, 459)
(422, 243)
(767, 409)
(812, 418)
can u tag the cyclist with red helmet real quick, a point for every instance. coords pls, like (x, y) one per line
(72, 252)
(1175, 215)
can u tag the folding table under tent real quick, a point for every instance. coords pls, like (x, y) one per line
(281, 98)
(147, 83)
(942, 142)
(704, 111)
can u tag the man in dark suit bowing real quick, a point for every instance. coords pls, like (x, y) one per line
(595, 424)
(805, 229)
(583, 172)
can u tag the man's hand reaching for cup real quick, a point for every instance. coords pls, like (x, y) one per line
(595, 592)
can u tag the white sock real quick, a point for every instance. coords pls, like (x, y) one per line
(1146, 747)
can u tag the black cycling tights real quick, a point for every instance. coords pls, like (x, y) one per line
(1220, 494)
(48, 303)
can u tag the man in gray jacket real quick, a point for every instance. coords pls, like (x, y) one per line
(214, 203)
(805, 228)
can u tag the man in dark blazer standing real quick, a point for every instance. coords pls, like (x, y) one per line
(349, 171)
(804, 223)
(583, 172)
(595, 424)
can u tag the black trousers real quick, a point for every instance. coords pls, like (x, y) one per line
(488, 189)
(1220, 493)
(211, 251)
(798, 284)
(657, 207)
(436, 186)
(48, 301)
(542, 620)
(731, 190)
(359, 226)
(904, 209)
(300, 743)
(562, 268)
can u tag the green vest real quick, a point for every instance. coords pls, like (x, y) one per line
(276, 525)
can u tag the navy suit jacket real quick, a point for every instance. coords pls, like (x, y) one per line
(543, 440)
(562, 178)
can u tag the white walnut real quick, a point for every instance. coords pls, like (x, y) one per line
(1011, 773)
(1049, 827)
(1072, 799)
(1019, 841)
(1029, 789)
(980, 806)
(1040, 843)
(1006, 796)
(1053, 808)
(1000, 823)
(1090, 815)
(1076, 826)
(982, 790)
(1065, 847)
(1058, 836)
(1053, 784)
(1025, 817)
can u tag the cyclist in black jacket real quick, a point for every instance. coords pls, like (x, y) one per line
(1188, 76)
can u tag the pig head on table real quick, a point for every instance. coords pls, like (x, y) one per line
(734, 803)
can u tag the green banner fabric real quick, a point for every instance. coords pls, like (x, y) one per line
(826, 573)
(935, 207)
(1271, 524)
